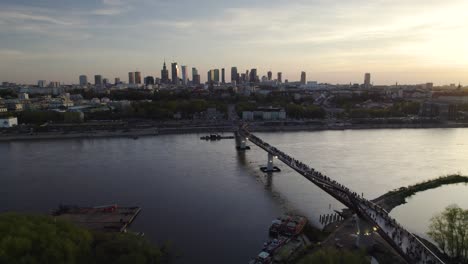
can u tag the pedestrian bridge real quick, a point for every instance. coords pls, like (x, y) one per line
(404, 242)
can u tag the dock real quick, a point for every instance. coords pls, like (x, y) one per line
(107, 218)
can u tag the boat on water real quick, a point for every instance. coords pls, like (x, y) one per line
(212, 137)
(272, 245)
(262, 258)
(284, 229)
(287, 225)
(215, 137)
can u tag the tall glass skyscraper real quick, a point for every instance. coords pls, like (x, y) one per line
(175, 73)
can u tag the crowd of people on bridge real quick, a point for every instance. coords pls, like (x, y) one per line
(406, 241)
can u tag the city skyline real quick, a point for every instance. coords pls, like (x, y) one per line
(333, 41)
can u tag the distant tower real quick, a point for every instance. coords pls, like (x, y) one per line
(253, 75)
(41, 83)
(223, 73)
(164, 74)
(175, 73)
(138, 77)
(195, 76)
(216, 75)
(149, 80)
(270, 75)
(234, 74)
(131, 78)
(184, 75)
(117, 80)
(98, 80)
(303, 78)
(83, 80)
(280, 77)
(209, 77)
(367, 80)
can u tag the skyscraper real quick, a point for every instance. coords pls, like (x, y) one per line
(149, 80)
(83, 80)
(270, 75)
(184, 75)
(367, 80)
(98, 80)
(280, 77)
(131, 78)
(234, 74)
(117, 80)
(175, 73)
(195, 76)
(41, 83)
(138, 77)
(216, 75)
(303, 78)
(223, 73)
(210, 76)
(253, 75)
(164, 74)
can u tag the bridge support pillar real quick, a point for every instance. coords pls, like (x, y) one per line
(269, 167)
(241, 142)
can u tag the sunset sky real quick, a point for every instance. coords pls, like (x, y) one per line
(335, 41)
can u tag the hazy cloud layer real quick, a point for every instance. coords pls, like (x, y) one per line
(394, 39)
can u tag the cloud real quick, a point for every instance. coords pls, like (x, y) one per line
(112, 8)
(170, 24)
(15, 16)
(107, 11)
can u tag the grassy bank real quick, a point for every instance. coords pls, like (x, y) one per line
(398, 197)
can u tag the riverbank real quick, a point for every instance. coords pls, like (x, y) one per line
(152, 130)
(398, 197)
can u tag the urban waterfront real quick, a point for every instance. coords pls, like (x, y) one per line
(212, 202)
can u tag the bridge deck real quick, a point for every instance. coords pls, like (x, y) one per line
(404, 242)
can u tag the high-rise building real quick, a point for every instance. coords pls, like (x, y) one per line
(196, 79)
(41, 83)
(367, 80)
(243, 77)
(164, 74)
(117, 81)
(175, 73)
(270, 75)
(253, 75)
(195, 76)
(234, 74)
(280, 77)
(216, 75)
(131, 78)
(149, 80)
(223, 73)
(184, 75)
(303, 78)
(194, 72)
(137, 77)
(98, 80)
(83, 80)
(210, 76)
(105, 81)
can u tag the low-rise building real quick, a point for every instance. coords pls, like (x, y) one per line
(7, 122)
(265, 113)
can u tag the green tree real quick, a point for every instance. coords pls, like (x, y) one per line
(43, 239)
(450, 231)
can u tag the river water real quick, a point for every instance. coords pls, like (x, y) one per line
(212, 202)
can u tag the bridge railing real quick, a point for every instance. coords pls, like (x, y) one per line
(344, 195)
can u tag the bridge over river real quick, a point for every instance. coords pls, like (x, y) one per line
(404, 242)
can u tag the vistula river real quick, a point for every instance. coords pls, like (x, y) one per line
(212, 202)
